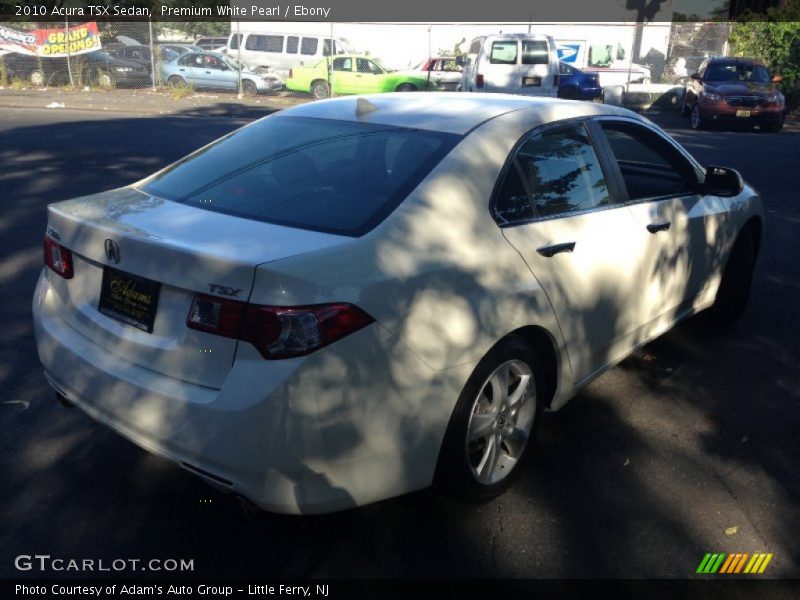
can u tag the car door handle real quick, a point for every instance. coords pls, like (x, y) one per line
(656, 227)
(549, 251)
(181, 69)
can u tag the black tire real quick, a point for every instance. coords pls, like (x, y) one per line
(773, 127)
(105, 79)
(737, 279)
(456, 471)
(176, 81)
(684, 106)
(696, 121)
(320, 89)
(406, 87)
(249, 88)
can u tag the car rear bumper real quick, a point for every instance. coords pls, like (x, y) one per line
(315, 434)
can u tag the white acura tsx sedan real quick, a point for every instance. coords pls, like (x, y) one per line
(357, 298)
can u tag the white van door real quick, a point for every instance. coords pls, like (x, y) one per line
(499, 66)
(536, 77)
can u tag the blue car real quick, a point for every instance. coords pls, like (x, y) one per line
(213, 71)
(574, 84)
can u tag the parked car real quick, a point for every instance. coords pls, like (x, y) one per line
(211, 43)
(734, 89)
(279, 52)
(212, 71)
(574, 84)
(514, 63)
(351, 299)
(142, 55)
(94, 68)
(353, 74)
(181, 48)
(444, 71)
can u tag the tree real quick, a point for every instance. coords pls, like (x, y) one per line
(774, 38)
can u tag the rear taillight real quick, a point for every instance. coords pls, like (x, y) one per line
(555, 80)
(479, 80)
(290, 73)
(58, 258)
(276, 331)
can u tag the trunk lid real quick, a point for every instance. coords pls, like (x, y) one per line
(185, 250)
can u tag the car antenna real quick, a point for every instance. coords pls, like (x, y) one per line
(364, 106)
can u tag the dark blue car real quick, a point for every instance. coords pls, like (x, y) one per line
(577, 85)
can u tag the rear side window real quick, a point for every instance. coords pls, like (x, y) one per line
(292, 42)
(334, 176)
(562, 172)
(265, 43)
(535, 52)
(504, 53)
(309, 46)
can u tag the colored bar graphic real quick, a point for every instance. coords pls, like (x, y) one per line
(726, 566)
(765, 563)
(741, 562)
(711, 563)
(704, 563)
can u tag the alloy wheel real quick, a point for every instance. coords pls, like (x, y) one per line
(501, 422)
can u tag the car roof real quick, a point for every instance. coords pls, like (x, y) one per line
(448, 112)
(735, 60)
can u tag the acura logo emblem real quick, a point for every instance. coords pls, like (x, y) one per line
(112, 252)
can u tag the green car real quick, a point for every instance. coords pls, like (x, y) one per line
(353, 74)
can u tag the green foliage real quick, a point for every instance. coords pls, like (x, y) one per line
(774, 38)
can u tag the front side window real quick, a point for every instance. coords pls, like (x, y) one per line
(504, 53)
(364, 65)
(339, 177)
(236, 39)
(650, 166)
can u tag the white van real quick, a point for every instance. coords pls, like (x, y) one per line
(513, 63)
(282, 51)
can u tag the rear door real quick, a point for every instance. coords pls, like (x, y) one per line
(500, 66)
(560, 210)
(536, 75)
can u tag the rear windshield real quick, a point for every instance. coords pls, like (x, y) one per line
(333, 176)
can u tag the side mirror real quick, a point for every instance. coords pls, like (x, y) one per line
(777, 79)
(696, 76)
(459, 61)
(722, 181)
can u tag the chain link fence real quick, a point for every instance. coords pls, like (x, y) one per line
(318, 60)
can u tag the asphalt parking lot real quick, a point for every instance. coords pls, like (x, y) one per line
(689, 446)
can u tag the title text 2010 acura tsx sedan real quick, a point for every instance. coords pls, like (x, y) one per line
(353, 299)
